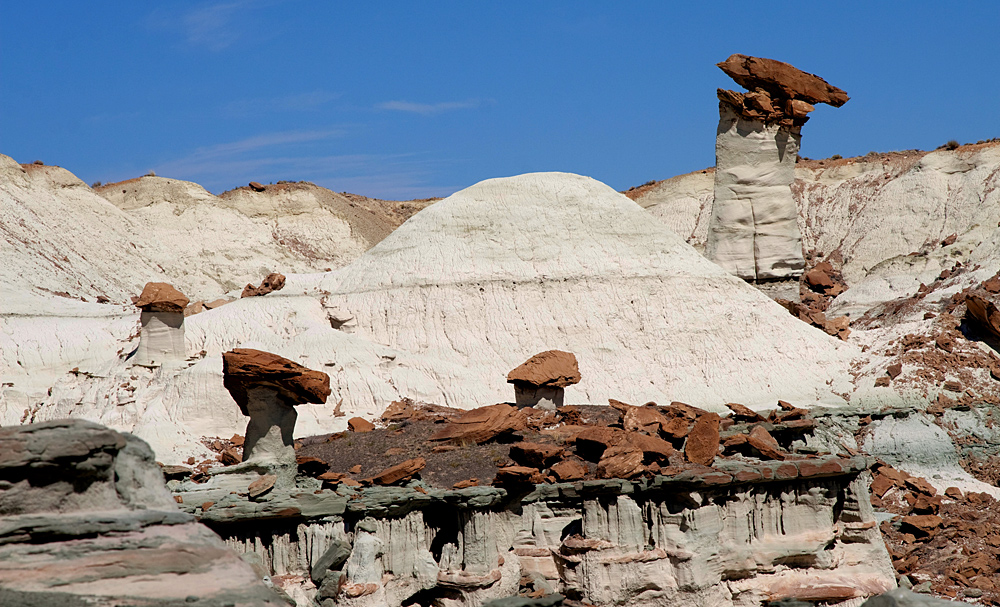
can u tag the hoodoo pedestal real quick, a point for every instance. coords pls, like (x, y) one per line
(753, 231)
(161, 340)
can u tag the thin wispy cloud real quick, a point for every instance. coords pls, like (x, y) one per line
(257, 143)
(215, 26)
(429, 109)
(305, 155)
(300, 102)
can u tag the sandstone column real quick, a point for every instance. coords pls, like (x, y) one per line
(753, 232)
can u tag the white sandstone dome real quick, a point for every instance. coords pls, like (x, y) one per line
(514, 266)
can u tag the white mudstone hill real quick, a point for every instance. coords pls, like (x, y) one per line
(511, 267)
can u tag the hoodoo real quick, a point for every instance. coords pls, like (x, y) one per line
(541, 380)
(267, 387)
(753, 231)
(162, 338)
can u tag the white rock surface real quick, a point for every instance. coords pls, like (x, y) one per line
(753, 231)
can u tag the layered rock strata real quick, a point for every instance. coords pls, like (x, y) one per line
(161, 341)
(753, 232)
(86, 520)
(738, 534)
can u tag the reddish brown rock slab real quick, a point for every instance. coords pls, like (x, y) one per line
(551, 369)
(684, 410)
(161, 297)
(761, 440)
(261, 486)
(518, 475)
(954, 493)
(925, 524)
(273, 282)
(472, 482)
(702, 444)
(882, 382)
(814, 468)
(256, 187)
(653, 448)
(409, 410)
(644, 419)
(921, 485)
(592, 442)
(894, 370)
(881, 485)
(781, 80)
(243, 369)
(678, 427)
(621, 461)
(535, 455)
(482, 424)
(744, 413)
(360, 424)
(402, 471)
(569, 470)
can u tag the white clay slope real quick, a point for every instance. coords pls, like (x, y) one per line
(511, 267)
(214, 245)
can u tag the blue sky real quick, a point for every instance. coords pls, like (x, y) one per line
(406, 99)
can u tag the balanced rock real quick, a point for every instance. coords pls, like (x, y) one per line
(161, 297)
(540, 380)
(267, 387)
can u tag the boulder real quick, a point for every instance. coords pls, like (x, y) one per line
(161, 338)
(761, 440)
(85, 519)
(482, 424)
(360, 424)
(400, 472)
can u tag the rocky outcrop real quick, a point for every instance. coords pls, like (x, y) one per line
(161, 341)
(85, 519)
(540, 380)
(753, 231)
(803, 531)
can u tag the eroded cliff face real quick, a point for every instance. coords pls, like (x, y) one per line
(690, 539)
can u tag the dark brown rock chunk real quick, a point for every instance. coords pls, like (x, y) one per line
(744, 413)
(702, 444)
(518, 475)
(552, 369)
(261, 486)
(535, 455)
(400, 472)
(982, 308)
(161, 297)
(569, 470)
(761, 440)
(256, 187)
(621, 461)
(244, 368)
(360, 424)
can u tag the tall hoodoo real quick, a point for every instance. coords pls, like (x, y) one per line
(753, 231)
(162, 338)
